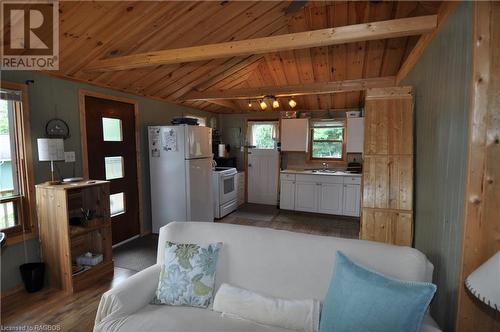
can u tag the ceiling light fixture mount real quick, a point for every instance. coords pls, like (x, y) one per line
(272, 101)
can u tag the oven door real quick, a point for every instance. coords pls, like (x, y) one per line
(227, 189)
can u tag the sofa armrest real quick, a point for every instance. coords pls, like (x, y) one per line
(129, 296)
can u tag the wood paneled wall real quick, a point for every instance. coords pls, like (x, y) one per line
(441, 82)
(481, 238)
(388, 167)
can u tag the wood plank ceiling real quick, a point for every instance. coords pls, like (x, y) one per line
(98, 30)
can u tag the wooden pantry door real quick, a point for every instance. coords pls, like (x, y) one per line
(111, 151)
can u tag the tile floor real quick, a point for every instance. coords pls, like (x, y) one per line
(312, 223)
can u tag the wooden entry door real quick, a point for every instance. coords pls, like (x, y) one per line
(111, 150)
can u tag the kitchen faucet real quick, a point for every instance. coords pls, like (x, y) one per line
(325, 166)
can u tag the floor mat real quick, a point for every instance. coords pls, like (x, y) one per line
(137, 254)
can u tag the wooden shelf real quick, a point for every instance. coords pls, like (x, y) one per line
(75, 231)
(86, 278)
(62, 243)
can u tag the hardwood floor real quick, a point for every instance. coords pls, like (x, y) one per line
(60, 311)
(302, 222)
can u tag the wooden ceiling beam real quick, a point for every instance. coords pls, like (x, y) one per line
(293, 90)
(445, 10)
(300, 40)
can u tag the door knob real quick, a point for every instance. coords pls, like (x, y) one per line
(249, 165)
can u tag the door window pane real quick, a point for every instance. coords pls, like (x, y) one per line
(7, 215)
(112, 129)
(263, 136)
(117, 203)
(113, 167)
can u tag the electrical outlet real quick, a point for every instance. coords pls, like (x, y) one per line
(69, 156)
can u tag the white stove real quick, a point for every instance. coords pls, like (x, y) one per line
(225, 191)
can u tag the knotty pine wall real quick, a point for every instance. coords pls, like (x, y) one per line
(441, 81)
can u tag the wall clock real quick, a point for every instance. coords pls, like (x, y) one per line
(57, 128)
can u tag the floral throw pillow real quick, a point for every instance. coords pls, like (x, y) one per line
(188, 275)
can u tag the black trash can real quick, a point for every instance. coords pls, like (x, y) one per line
(32, 275)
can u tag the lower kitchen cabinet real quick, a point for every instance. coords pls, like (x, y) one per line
(287, 195)
(330, 198)
(306, 196)
(387, 226)
(351, 200)
(339, 195)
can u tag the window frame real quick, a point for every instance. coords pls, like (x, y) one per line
(26, 226)
(343, 158)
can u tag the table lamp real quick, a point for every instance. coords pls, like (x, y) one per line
(51, 149)
(484, 282)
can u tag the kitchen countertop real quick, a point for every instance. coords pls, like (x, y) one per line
(310, 172)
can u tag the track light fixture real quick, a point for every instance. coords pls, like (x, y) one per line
(263, 105)
(276, 103)
(270, 100)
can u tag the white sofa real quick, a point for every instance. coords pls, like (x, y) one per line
(278, 263)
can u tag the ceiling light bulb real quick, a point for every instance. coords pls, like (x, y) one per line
(276, 103)
(263, 105)
(292, 103)
(250, 104)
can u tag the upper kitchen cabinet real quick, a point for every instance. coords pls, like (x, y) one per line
(355, 135)
(295, 135)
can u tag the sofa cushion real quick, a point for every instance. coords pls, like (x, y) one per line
(363, 300)
(188, 274)
(153, 318)
(301, 315)
(288, 264)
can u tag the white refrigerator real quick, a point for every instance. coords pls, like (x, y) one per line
(180, 166)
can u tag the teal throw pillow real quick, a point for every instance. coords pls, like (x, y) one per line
(360, 299)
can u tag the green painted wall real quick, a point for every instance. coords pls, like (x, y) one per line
(441, 79)
(233, 131)
(51, 97)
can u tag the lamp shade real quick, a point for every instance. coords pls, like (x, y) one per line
(484, 282)
(50, 149)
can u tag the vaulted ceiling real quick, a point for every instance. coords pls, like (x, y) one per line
(98, 30)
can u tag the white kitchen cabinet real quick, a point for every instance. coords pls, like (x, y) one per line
(351, 200)
(287, 194)
(339, 195)
(295, 135)
(330, 198)
(355, 135)
(306, 194)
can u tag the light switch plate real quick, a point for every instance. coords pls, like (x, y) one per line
(69, 156)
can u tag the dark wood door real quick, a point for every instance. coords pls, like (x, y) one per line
(111, 151)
